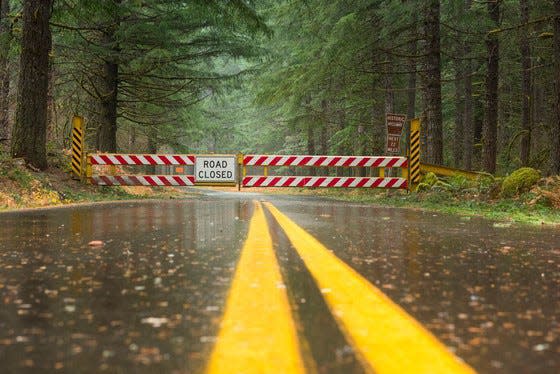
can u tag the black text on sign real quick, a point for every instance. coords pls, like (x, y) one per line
(215, 169)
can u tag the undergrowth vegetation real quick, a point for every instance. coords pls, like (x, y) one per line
(530, 201)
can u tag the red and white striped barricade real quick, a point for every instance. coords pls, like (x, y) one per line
(326, 161)
(103, 159)
(323, 181)
(131, 159)
(143, 180)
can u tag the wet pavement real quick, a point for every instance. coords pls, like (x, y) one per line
(151, 299)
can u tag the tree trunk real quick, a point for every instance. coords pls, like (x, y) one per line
(490, 150)
(311, 145)
(324, 135)
(4, 71)
(153, 146)
(556, 129)
(51, 107)
(459, 113)
(107, 130)
(525, 50)
(389, 105)
(468, 119)
(29, 135)
(432, 84)
(132, 139)
(389, 94)
(411, 87)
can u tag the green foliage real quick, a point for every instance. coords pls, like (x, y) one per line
(520, 181)
(428, 181)
(171, 56)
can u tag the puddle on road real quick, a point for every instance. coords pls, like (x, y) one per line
(490, 293)
(148, 300)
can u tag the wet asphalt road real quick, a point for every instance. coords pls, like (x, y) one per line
(151, 299)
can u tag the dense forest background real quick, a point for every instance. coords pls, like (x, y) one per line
(284, 76)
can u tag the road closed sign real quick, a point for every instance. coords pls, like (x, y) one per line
(215, 169)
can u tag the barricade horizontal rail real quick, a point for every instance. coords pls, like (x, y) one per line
(348, 182)
(141, 159)
(143, 180)
(380, 162)
(266, 161)
(326, 161)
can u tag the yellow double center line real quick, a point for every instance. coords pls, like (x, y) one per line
(258, 334)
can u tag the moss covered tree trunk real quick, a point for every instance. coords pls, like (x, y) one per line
(29, 135)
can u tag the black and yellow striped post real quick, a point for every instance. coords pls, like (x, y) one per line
(414, 155)
(78, 135)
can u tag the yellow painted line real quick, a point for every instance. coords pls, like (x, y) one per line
(257, 333)
(386, 338)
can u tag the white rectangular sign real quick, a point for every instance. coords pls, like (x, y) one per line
(215, 169)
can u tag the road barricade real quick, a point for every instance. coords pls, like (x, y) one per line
(379, 162)
(112, 159)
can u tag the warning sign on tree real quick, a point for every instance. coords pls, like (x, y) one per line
(395, 124)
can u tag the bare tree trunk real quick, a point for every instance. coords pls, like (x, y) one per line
(525, 151)
(324, 135)
(389, 103)
(29, 135)
(51, 125)
(432, 84)
(107, 130)
(490, 150)
(389, 94)
(310, 145)
(468, 119)
(153, 146)
(459, 113)
(556, 129)
(341, 118)
(411, 86)
(4, 72)
(132, 139)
